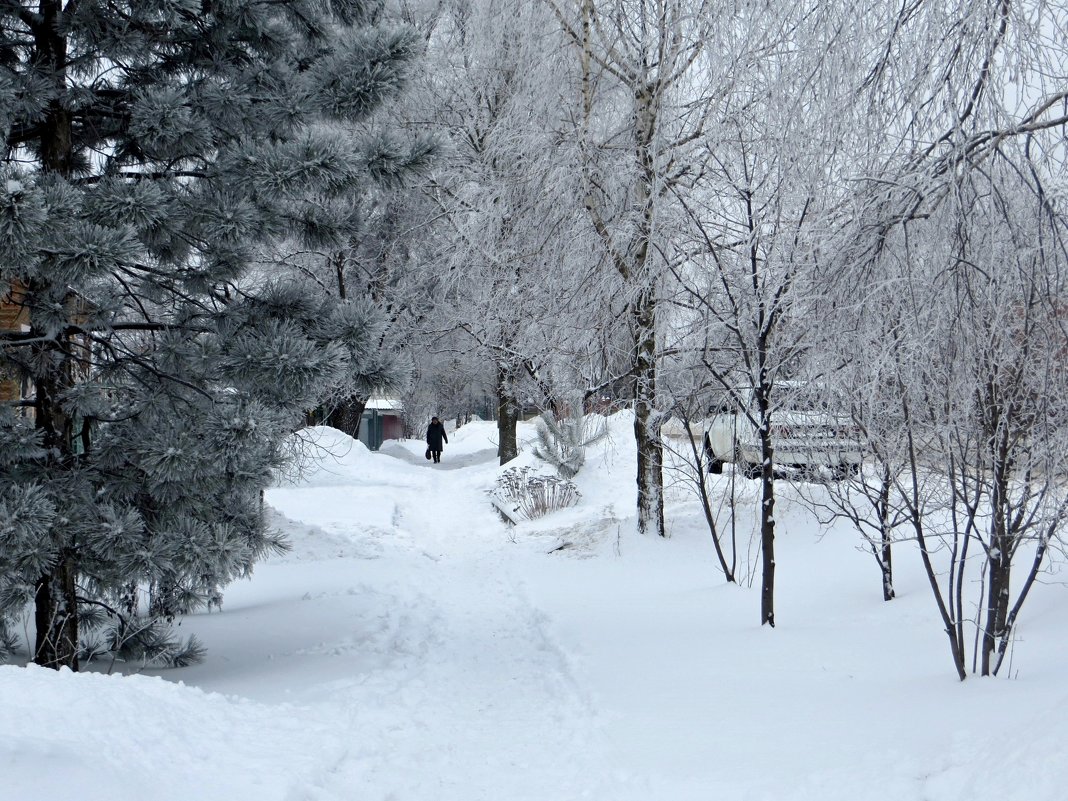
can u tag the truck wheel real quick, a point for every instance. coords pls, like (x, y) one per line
(750, 470)
(715, 465)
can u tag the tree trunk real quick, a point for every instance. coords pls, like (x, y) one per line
(999, 567)
(56, 617)
(347, 415)
(647, 421)
(55, 597)
(767, 536)
(633, 262)
(956, 643)
(887, 569)
(996, 612)
(706, 503)
(50, 54)
(507, 417)
(767, 508)
(886, 565)
(999, 556)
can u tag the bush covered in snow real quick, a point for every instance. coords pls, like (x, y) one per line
(523, 494)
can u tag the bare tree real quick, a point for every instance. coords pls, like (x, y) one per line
(644, 96)
(956, 243)
(1006, 451)
(749, 270)
(689, 389)
(503, 262)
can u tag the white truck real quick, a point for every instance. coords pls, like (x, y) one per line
(808, 436)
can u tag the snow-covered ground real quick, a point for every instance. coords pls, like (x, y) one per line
(412, 647)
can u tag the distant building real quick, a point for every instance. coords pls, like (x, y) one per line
(14, 317)
(16, 387)
(383, 418)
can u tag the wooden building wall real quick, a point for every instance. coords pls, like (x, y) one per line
(14, 316)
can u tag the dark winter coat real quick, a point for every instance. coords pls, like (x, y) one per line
(435, 435)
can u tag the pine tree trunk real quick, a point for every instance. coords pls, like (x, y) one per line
(55, 598)
(56, 617)
(50, 55)
(507, 417)
(347, 415)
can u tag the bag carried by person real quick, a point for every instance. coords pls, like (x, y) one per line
(428, 453)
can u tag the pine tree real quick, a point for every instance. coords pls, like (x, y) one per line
(157, 154)
(562, 443)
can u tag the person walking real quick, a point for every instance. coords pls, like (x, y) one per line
(435, 436)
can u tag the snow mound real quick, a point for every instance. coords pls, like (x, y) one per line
(606, 480)
(327, 457)
(476, 435)
(56, 743)
(322, 453)
(605, 484)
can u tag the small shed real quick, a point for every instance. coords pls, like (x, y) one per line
(383, 418)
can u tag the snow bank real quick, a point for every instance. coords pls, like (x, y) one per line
(113, 738)
(606, 483)
(323, 456)
(327, 457)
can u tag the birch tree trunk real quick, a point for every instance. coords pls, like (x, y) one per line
(631, 59)
(647, 421)
(507, 416)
